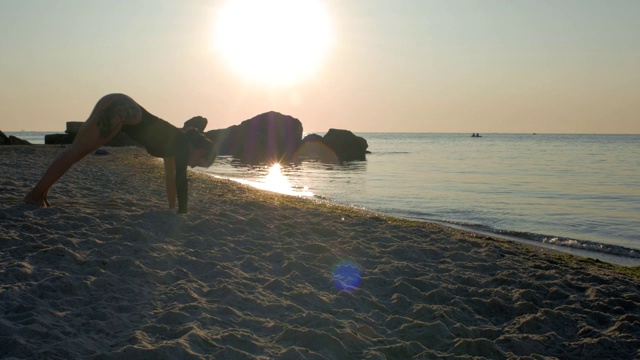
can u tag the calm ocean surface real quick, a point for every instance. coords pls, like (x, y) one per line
(566, 191)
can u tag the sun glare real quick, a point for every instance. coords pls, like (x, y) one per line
(272, 41)
(276, 181)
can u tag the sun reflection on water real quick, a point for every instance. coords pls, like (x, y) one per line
(275, 180)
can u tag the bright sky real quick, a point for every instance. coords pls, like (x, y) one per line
(570, 66)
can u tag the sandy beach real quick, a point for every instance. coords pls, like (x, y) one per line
(110, 273)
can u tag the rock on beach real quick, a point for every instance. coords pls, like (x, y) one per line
(12, 140)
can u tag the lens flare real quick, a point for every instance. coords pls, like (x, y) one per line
(318, 151)
(346, 275)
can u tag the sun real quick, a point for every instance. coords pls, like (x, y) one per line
(272, 41)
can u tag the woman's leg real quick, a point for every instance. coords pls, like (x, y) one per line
(105, 121)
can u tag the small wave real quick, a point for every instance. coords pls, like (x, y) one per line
(391, 152)
(593, 246)
(585, 245)
(558, 243)
(464, 224)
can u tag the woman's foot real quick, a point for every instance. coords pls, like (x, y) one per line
(37, 200)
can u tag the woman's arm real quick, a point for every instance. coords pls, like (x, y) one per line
(170, 177)
(181, 181)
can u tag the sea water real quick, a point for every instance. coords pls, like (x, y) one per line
(569, 191)
(34, 137)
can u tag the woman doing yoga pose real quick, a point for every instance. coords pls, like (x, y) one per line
(118, 112)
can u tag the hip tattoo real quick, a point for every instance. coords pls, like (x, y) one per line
(123, 108)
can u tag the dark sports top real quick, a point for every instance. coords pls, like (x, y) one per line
(161, 139)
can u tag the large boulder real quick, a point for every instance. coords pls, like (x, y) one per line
(12, 140)
(59, 139)
(67, 138)
(4, 139)
(73, 127)
(346, 145)
(268, 137)
(336, 146)
(121, 139)
(313, 147)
